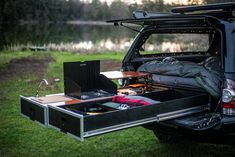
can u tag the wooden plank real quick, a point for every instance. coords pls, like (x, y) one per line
(52, 99)
(125, 74)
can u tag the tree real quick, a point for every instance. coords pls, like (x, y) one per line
(118, 9)
(10, 11)
(2, 5)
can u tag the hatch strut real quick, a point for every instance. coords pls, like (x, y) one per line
(121, 24)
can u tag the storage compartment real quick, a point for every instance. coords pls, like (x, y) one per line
(36, 108)
(33, 110)
(75, 119)
(95, 108)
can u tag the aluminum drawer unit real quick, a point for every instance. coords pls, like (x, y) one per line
(35, 110)
(173, 104)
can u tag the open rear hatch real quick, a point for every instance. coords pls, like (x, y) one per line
(80, 121)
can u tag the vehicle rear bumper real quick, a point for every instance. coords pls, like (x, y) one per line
(227, 125)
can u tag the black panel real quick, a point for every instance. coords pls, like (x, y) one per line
(84, 74)
(65, 122)
(81, 77)
(106, 84)
(34, 112)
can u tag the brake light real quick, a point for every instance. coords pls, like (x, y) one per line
(228, 97)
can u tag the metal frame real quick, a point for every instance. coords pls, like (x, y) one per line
(157, 118)
(175, 19)
(44, 106)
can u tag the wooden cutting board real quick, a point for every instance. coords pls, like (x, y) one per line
(52, 99)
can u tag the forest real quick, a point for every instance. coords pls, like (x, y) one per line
(12, 11)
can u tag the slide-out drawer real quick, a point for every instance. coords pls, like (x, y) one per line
(73, 120)
(34, 110)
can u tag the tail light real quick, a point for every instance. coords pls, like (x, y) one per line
(228, 97)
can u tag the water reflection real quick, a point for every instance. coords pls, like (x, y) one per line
(92, 39)
(175, 42)
(66, 37)
(89, 46)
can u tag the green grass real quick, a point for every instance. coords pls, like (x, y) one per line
(22, 137)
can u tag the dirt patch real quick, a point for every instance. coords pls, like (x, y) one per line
(25, 66)
(38, 66)
(109, 65)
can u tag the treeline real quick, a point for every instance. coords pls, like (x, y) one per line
(63, 10)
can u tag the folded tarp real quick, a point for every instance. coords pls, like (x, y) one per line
(207, 74)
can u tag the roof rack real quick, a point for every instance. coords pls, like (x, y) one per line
(144, 14)
(230, 6)
(187, 15)
(180, 20)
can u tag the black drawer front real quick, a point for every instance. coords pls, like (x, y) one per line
(140, 113)
(65, 122)
(34, 112)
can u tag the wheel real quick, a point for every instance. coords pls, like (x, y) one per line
(166, 135)
(165, 138)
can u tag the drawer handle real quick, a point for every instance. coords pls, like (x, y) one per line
(63, 119)
(32, 113)
(63, 124)
(32, 109)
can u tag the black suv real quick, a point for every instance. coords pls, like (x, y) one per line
(191, 48)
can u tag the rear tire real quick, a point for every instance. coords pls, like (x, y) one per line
(165, 135)
(165, 138)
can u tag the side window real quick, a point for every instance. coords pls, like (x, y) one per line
(176, 42)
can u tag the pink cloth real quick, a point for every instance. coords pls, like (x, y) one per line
(129, 102)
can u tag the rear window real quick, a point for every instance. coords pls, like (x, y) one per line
(176, 42)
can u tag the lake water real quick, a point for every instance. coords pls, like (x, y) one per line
(66, 37)
(85, 38)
